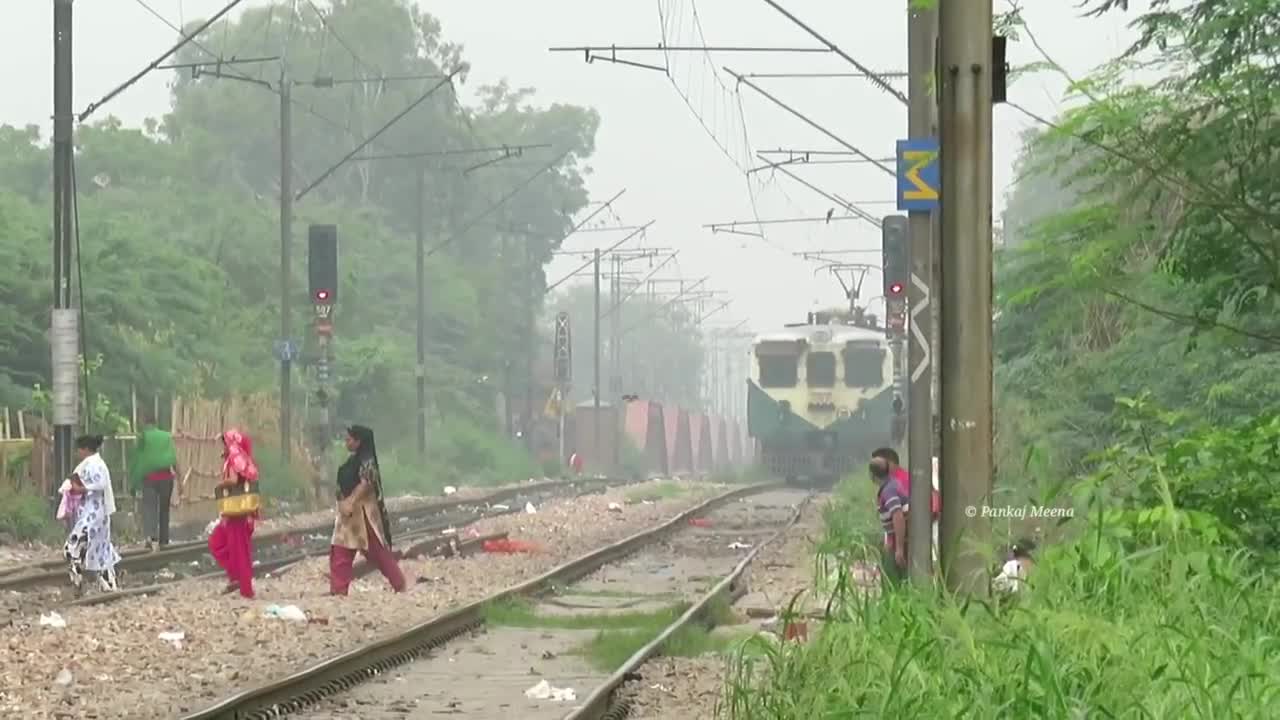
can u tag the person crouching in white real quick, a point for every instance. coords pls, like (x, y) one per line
(89, 546)
(1013, 576)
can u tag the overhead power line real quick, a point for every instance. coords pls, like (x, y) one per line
(365, 143)
(493, 207)
(93, 106)
(720, 227)
(663, 307)
(640, 284)
(588, 49)
(872, 76)
(447, 153)
(581, 267)
(873, 220)
(890, 171)
(895, 74)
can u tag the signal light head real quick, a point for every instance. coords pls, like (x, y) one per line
(895, 288)
(322, 295)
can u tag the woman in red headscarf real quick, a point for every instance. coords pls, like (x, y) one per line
(231, 542)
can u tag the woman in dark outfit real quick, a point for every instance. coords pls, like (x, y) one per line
(362, 524)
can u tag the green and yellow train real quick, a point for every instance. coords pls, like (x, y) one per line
(821, 396)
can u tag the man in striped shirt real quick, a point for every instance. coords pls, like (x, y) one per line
(890, 503)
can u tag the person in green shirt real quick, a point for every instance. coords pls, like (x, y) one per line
(154, 466)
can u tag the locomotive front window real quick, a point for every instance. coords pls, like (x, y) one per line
(778, 371)
(820, 369)
(863, 366)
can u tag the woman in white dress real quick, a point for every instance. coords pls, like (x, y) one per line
(89, 546)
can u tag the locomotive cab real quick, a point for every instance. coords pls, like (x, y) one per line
(820, 395)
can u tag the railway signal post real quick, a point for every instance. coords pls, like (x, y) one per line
(920, 200)
(894, 264)
(322, 272)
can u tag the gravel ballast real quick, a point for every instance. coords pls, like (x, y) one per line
(110, 661)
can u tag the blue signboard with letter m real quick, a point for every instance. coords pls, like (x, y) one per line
(919, 177)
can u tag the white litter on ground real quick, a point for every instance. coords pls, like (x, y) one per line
(544, 691)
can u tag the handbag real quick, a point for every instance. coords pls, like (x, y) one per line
(238, 500)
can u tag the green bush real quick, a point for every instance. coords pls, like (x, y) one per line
(27, 517)
(1148, 612)
(278, 482)
(458, 454)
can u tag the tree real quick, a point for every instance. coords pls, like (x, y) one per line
(178, 220)
(1158, 272)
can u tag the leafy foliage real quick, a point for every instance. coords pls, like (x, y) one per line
(179, 226)
(1142, 247)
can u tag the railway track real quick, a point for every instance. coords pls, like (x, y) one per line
(476, 661)
(420, 531)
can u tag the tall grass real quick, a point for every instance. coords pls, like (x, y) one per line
(1173, 627)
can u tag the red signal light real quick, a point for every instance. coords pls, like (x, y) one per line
(322, 295)
(895, 289)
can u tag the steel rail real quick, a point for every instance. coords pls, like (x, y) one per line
(601, 703)
(135, 560)
(345, 671)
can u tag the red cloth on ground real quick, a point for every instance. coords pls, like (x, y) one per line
(342, 559)
(231, 544)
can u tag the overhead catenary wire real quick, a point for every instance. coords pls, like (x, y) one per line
(640, 284)
(663, 307)
(871, 75)
(450, 152)
(852, 148)
(294, 101)
(93, 106)
(365, 143)
(714, 227)
(833, 198)
(493, 207)
(583, 266)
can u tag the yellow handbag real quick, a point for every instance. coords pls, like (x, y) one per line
(238, 500)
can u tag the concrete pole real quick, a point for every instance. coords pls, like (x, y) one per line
(64, 331)
(596, 455)
(922, 29)
(286, 242)
(966, 454)
(420, 267)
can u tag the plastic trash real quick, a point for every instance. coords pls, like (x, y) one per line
(286, 612)
(544, 691)
(64, 677)
(739, 546)
(53, 619)
(615, 507)
(529, 508)
(700, 522)
(173, 638)
(449, 489)
(500, 508)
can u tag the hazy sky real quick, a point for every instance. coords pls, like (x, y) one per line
(650, 141)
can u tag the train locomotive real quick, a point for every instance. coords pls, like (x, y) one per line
(821, 396)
